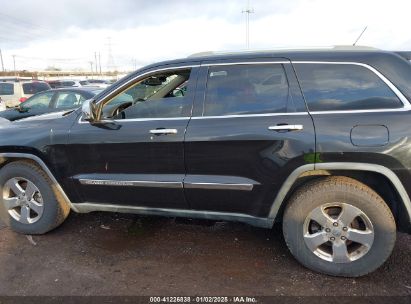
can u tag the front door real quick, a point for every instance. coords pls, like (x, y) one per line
(250, 130)
(136, 156)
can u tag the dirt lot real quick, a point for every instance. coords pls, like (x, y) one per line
(116, 254)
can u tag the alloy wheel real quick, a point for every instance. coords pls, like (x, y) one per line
(23, 200)
(338, 232)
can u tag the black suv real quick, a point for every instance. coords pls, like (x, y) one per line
(317, 139)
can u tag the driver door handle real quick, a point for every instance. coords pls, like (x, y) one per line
(163, 131)
(286, 128)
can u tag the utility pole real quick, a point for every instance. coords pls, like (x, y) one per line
(91, 67)
(110, 62)
(14, 65)
(247, 11)
(1, 58)
(95, 59)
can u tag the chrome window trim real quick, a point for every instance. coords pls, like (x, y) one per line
(404, 100)
(406, 103)
(250, 115)
(81, 121)
(245, 63)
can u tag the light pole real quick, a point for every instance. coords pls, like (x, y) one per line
(14, 65)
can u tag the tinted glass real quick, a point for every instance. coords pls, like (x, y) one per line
(35, 87)
(39, 101)
(67, 83)
(246, 89)
(6, 89)
(161, 95)
(68, 100)
(333, 87)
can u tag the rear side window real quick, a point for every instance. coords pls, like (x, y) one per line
(6, 89)
(35, 87)
(337, 87)
(246, 89)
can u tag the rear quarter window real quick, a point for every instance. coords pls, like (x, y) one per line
(35, 87)
(336, 87)
(6, 89)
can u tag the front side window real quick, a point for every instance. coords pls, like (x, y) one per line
(336, 87)
(39, 101)
(6, 89)
(161, 95)
(246, 89)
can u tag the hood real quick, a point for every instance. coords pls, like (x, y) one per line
(48, 116)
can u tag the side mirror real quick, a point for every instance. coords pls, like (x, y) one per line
(88, 110)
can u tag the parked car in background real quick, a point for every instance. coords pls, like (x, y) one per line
(50, 101)
(101, 83)
(17, 91)
(55, 84)
(2, 105)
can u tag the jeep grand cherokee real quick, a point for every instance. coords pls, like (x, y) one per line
(316, 139)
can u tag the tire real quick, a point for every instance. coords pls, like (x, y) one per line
(37, 207)
(318, 241)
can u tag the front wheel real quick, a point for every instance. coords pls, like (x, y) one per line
(339, 226)
(29, 203)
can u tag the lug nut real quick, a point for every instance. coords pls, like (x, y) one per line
(343, 238)
(327, 230)
(335, 224)
(332, 238)
(345, 228)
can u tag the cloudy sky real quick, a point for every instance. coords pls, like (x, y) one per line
(67, 33)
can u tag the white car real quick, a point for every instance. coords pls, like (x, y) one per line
(2, 105)
(100, 83)
(15, 92)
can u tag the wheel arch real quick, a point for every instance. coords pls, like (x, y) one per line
(363, 172)
(6, 157)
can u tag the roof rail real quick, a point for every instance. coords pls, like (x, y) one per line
(404, 54)
(315, 48)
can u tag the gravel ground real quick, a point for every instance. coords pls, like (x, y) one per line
(117, 254)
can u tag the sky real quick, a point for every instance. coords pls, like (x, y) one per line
(66, 34)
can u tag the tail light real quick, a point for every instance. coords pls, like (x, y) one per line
(23, 99)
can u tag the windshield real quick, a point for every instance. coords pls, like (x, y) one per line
(35, 87)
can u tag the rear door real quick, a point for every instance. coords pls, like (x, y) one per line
(250, 129)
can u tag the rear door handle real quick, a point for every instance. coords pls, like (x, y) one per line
(163, 131)
(286, 128)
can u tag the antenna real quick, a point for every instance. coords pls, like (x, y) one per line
(247, 11)
(360, 36)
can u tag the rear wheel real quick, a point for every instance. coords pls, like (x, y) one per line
(29, 204)
(339, 226)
